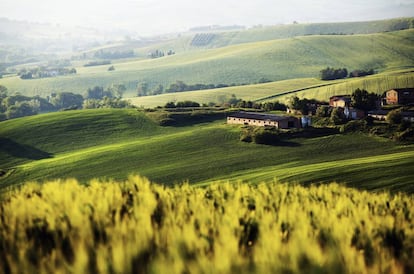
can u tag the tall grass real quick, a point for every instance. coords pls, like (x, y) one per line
(139, 227)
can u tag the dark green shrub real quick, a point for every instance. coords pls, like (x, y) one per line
(394, 117)
(354, 126)
(266, 136)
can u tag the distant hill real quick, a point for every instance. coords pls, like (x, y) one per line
(264, 33)
(274, 60)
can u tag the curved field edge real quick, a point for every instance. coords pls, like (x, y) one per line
(364, 172)
(136, 226)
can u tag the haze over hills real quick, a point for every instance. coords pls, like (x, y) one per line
(149, 17)
(230, 58)
(133, 141)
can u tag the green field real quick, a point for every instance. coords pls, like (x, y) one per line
(275, 60)
(283, 90)
(117, 143)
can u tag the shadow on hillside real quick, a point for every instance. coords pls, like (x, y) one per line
(310, 132)
(284, 143)
(22, 151)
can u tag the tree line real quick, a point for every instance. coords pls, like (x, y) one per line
(341, 73)
(44, 72)
(117, 54)
(16, 105)
(160, 53)
(143, 88)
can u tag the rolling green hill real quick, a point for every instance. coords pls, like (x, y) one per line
(116, 143)
(298, 57)
(282, 91)
(263, 33)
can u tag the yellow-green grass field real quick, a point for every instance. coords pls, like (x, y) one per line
(135, 226)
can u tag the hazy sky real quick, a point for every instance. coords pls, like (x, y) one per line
(148, 16)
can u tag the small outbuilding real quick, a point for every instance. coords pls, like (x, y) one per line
(340, 101)
(400, 96)
(263, 120)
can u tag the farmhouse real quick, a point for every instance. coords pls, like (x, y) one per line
(400, 96)
(263, 119)
(340, 101)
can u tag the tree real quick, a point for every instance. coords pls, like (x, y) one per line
(67, 100)
(178, 86)
(116, 91)
(158, 90)
(142, 89)
(3, 92)
(299, 104)
(170, 105)
(95, 93)
(337, 116)
(186, 104)
(394, 117)
(362, 99)
(332, 73)
(323, 111)
(3, 95)
(20, 109)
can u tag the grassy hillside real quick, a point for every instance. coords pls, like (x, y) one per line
(284, 90)
(292, 30)
(184, 42)
(247, 92)
(116, 143)
(245, 63)
(378, 83)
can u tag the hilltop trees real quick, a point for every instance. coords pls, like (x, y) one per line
(98, 97)
(14, 106)
(340, 73)
(332, 73)
(142, 89)
(67, 100)
(361, 73)
(98, 92)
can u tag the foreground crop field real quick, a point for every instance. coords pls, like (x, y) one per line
(140, 227)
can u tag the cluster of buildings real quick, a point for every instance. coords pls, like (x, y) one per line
(392, 97)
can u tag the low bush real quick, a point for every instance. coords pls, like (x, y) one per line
(354, 126)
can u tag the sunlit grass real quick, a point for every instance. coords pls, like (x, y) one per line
(137, 226)
(115, 143)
